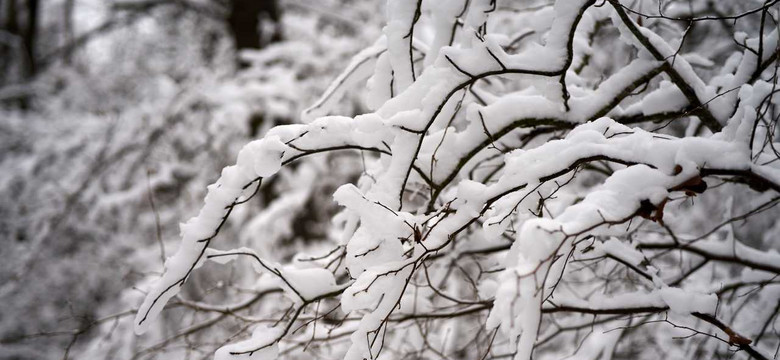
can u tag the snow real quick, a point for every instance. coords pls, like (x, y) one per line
(263, 338)
(683, 302)
(444, 17)
(359, 69)
(666, 98)
(399, 32)
(623, 251)
(310, 283)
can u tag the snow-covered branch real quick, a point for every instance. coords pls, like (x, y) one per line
(513, 185)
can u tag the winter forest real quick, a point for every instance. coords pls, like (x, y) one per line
(389, 179)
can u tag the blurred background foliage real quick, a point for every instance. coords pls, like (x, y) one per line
(115, 115)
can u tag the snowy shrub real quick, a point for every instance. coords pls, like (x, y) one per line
(585, 179)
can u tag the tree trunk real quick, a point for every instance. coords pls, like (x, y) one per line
(245, 22)
(67, 30)
(10, 25)
(29, 35)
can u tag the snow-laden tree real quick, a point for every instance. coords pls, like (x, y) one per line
(584, 179)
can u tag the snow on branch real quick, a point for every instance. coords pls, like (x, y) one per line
(511, 186)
